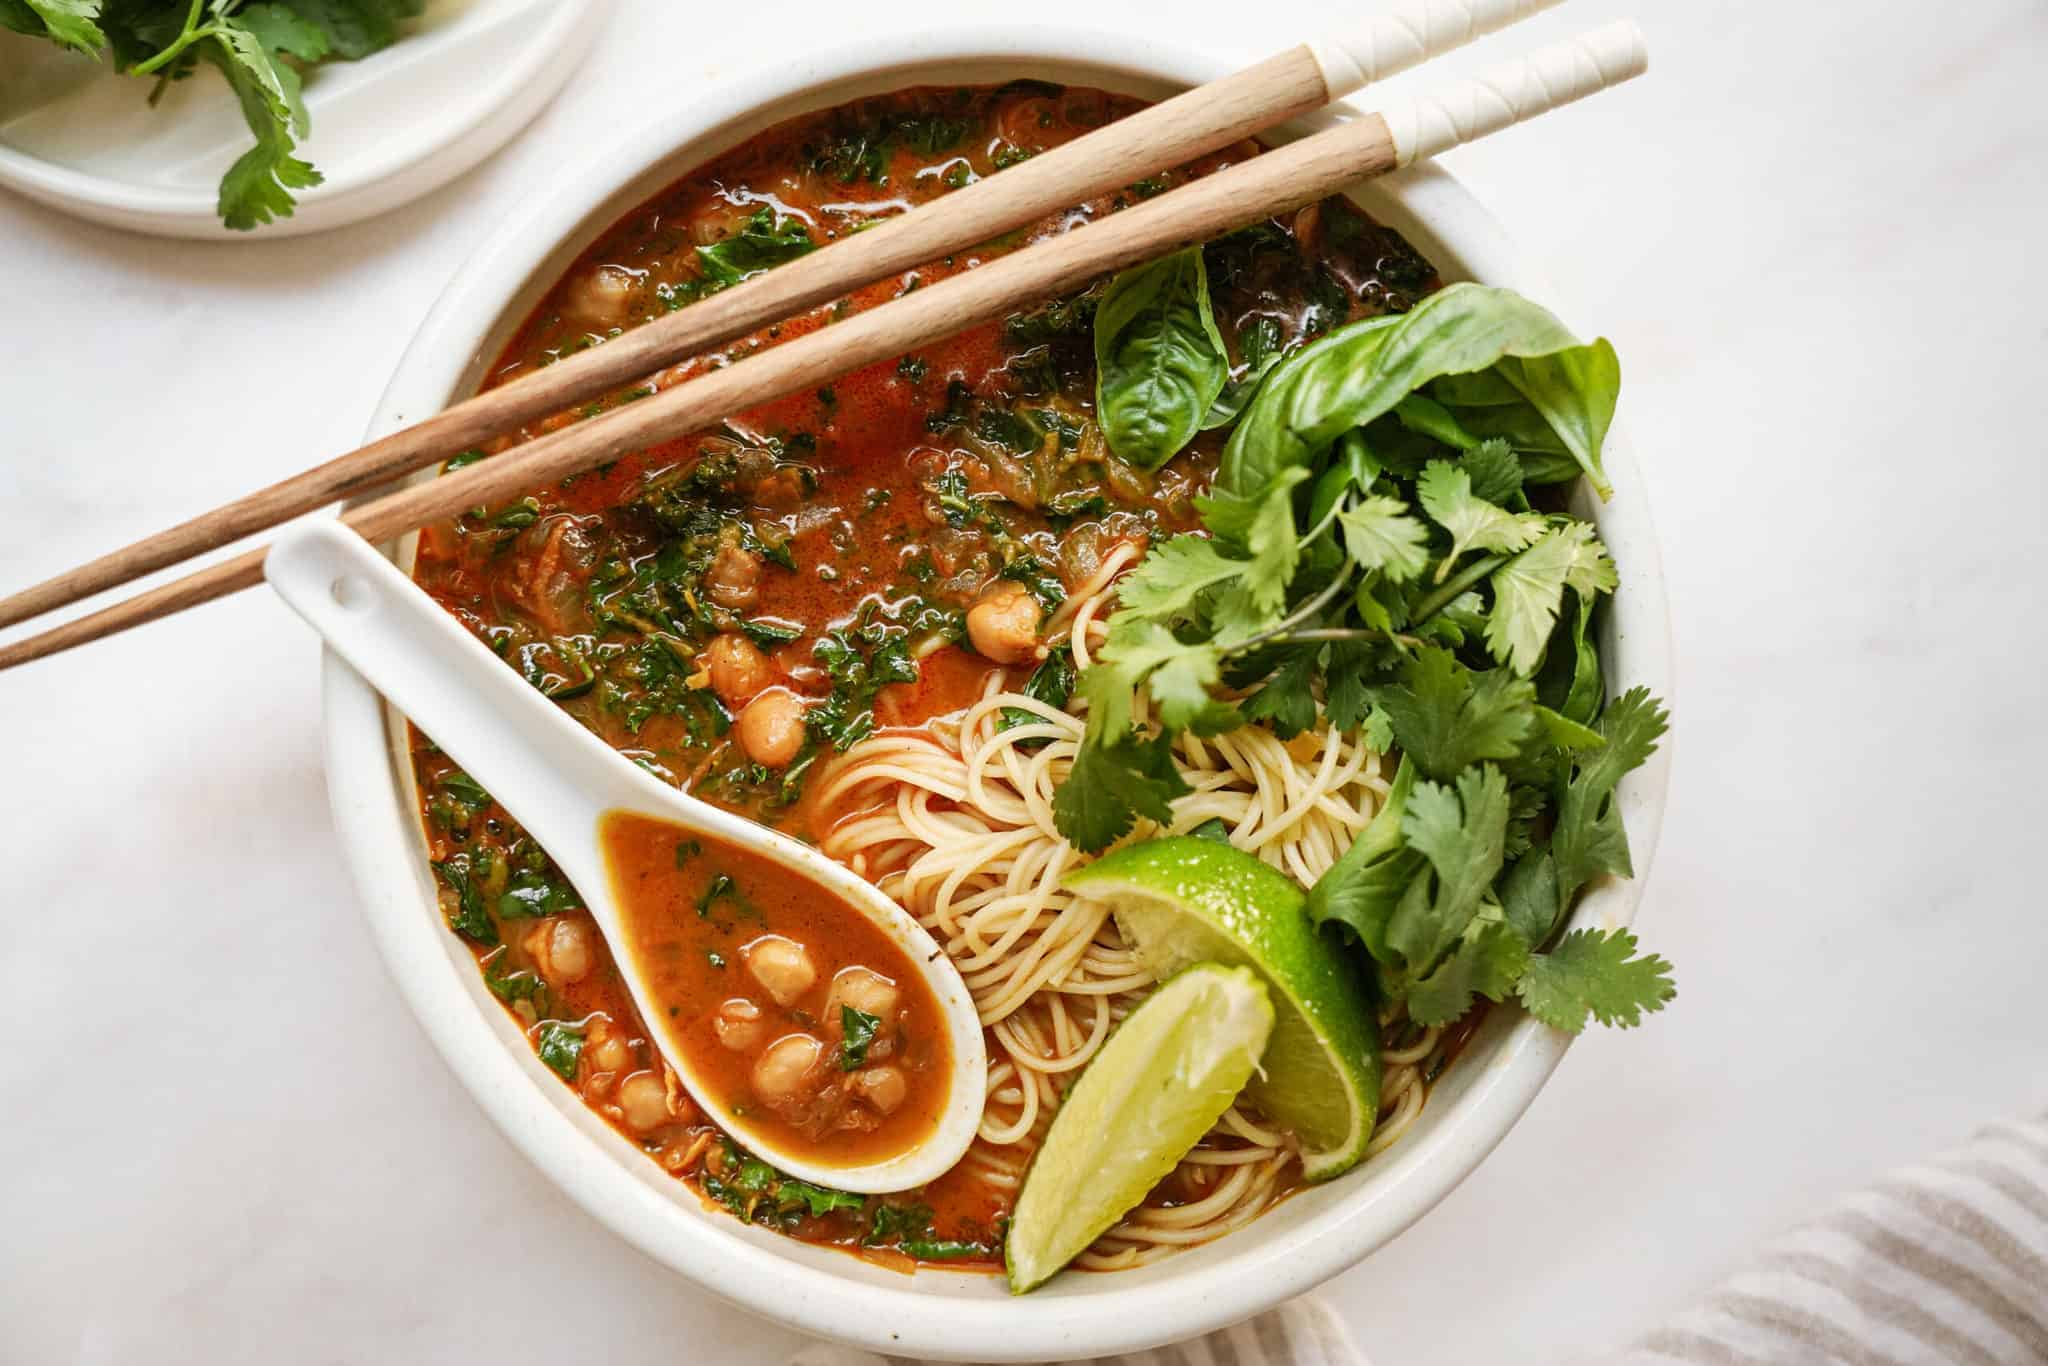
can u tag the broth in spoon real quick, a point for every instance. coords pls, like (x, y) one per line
(813, 1025)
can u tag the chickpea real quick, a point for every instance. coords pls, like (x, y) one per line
(772, 727)
(781, 965)
(605, 296)
(785, 1071)
(716, 219)
(734, 578)
(643, 1102)
(882, 1087)
(737, 667)
(739, 1025)
(611, 1053)
(1003, 626)
(866, 991)
(560, 947)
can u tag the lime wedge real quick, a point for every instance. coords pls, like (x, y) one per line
(1187, 900)
(1168, 1072)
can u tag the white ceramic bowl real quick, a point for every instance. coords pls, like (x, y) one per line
(1308, 1238)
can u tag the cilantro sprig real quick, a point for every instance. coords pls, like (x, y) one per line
(261, 49)
(1372, 551)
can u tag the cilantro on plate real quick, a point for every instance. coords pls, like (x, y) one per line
(261, 49)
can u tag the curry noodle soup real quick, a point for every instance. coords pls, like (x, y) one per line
(856, 615)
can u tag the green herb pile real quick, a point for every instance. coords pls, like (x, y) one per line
(759, 1194)
(260, 48)
(1386, 545)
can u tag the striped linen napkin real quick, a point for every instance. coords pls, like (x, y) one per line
(1944, 1262)
(1940, 1264)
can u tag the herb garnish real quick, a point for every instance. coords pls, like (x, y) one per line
(759, 1194)
(1052, 683)
(909, 1229)
(261, 49)
(1366, 546)
(470, 916)
(537, 892)
(857, 1031)
(766, 239)
(868, 656)
(560, 1046)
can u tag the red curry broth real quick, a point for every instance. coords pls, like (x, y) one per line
(808, 1021)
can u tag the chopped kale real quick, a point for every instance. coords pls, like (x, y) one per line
(470, 916)
(560, 1046)
(857, 1034)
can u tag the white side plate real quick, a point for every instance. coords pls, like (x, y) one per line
(386, 129)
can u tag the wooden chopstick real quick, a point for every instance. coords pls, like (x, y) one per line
(1165, 135)
(1272, 183)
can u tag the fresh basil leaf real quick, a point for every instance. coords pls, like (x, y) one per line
(1569, 682)
(1565, 733)
(1160, 362)
(1575, 389)
(1262, 351)
(1424, 415)
(1355, 468)
(1362, 371)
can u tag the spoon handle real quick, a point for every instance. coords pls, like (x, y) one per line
(547, 771)
(556, 779)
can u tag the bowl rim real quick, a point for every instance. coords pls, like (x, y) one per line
(931, 1315)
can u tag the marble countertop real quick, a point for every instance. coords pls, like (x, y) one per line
(1815, 234)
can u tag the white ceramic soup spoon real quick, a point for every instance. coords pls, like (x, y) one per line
(557, 780)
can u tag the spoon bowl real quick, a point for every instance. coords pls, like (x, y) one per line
(560, 782)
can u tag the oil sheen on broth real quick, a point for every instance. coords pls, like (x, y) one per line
(806, 1018)
(733, 608)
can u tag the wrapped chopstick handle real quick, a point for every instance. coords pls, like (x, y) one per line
(1514, 91)
(1412, 31)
